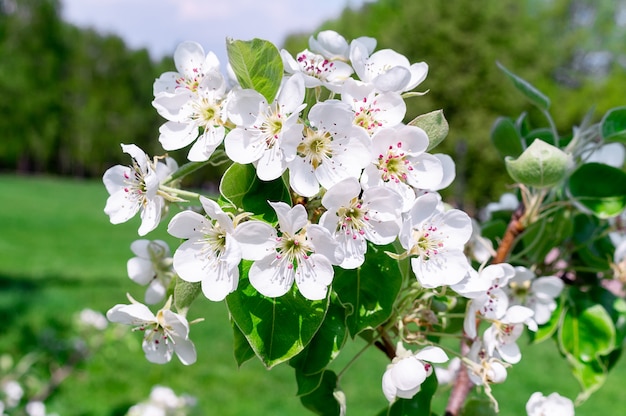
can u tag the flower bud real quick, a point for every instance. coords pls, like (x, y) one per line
(541, 165)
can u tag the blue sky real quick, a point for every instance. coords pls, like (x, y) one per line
(160, 25)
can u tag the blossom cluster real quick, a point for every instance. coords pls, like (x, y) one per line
(358, 176)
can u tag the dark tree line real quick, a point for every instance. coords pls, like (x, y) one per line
(70, 96)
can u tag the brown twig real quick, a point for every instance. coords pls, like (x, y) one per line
(385, 344)
(513, 230)
(462, 387)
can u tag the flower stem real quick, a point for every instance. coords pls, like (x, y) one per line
(179, 192)
(184, 170)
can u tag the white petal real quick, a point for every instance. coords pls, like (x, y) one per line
(256, 239)
(155, 292)
(189, 59)
(268, 280)
(291, 220)
(216, 287)
(174, 136)
(120, 208)
(548, 285)
(114, 178)
(517, 314)
(133, 314)
(389, 389)
(510, 353)
(151, 215)
(157, 352)
(313, 277)
(190, 263)
(185, 350)
(140, 270)
(432, 354)
(442, 269)
(408, 373)
(214, 211)
(188, 224)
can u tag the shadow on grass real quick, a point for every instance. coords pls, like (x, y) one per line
(41, 312)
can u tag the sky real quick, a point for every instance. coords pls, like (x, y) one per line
(160, 25)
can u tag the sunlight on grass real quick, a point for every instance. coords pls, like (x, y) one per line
(59, 254)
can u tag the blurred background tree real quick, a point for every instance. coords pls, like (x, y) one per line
(69, 96)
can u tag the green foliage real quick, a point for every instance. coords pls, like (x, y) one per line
(435, 125)
(613, 125)
(420, 404)
(257, 65)
(240, 187)
(269, 324)
(506, 138)
(535, 96)
(588, 336)
(369, 291)
(599, 188)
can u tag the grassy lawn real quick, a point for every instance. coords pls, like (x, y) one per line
(59, 254)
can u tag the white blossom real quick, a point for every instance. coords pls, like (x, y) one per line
(134, 189)
(302, 252)
(211, 254)
(354, 219)
(266, 134)
(372, 109)
(151, 267)
(386, 69)
(330, 150)
(407, 371)
(435, 240)
(165, 333)
(400, 162)
(536, 293)
(552, 405)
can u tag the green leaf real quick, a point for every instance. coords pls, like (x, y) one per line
(434, 124)
(277, 329)
(541, 165)
(585, 336)
(542, 236)
(590, 375)
(479, 407)
(257, 65)
(506, 138)
(418, 405)
(533, 94)
(599, 189)
(307, 383)
(369, 291)
(613, 125)
(588, 333)
(325, 400)
(592, 242)
(242, 188)
(523, 124)
(326, 343)
(243, 350)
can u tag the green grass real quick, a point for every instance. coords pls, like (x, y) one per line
(59, 254)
